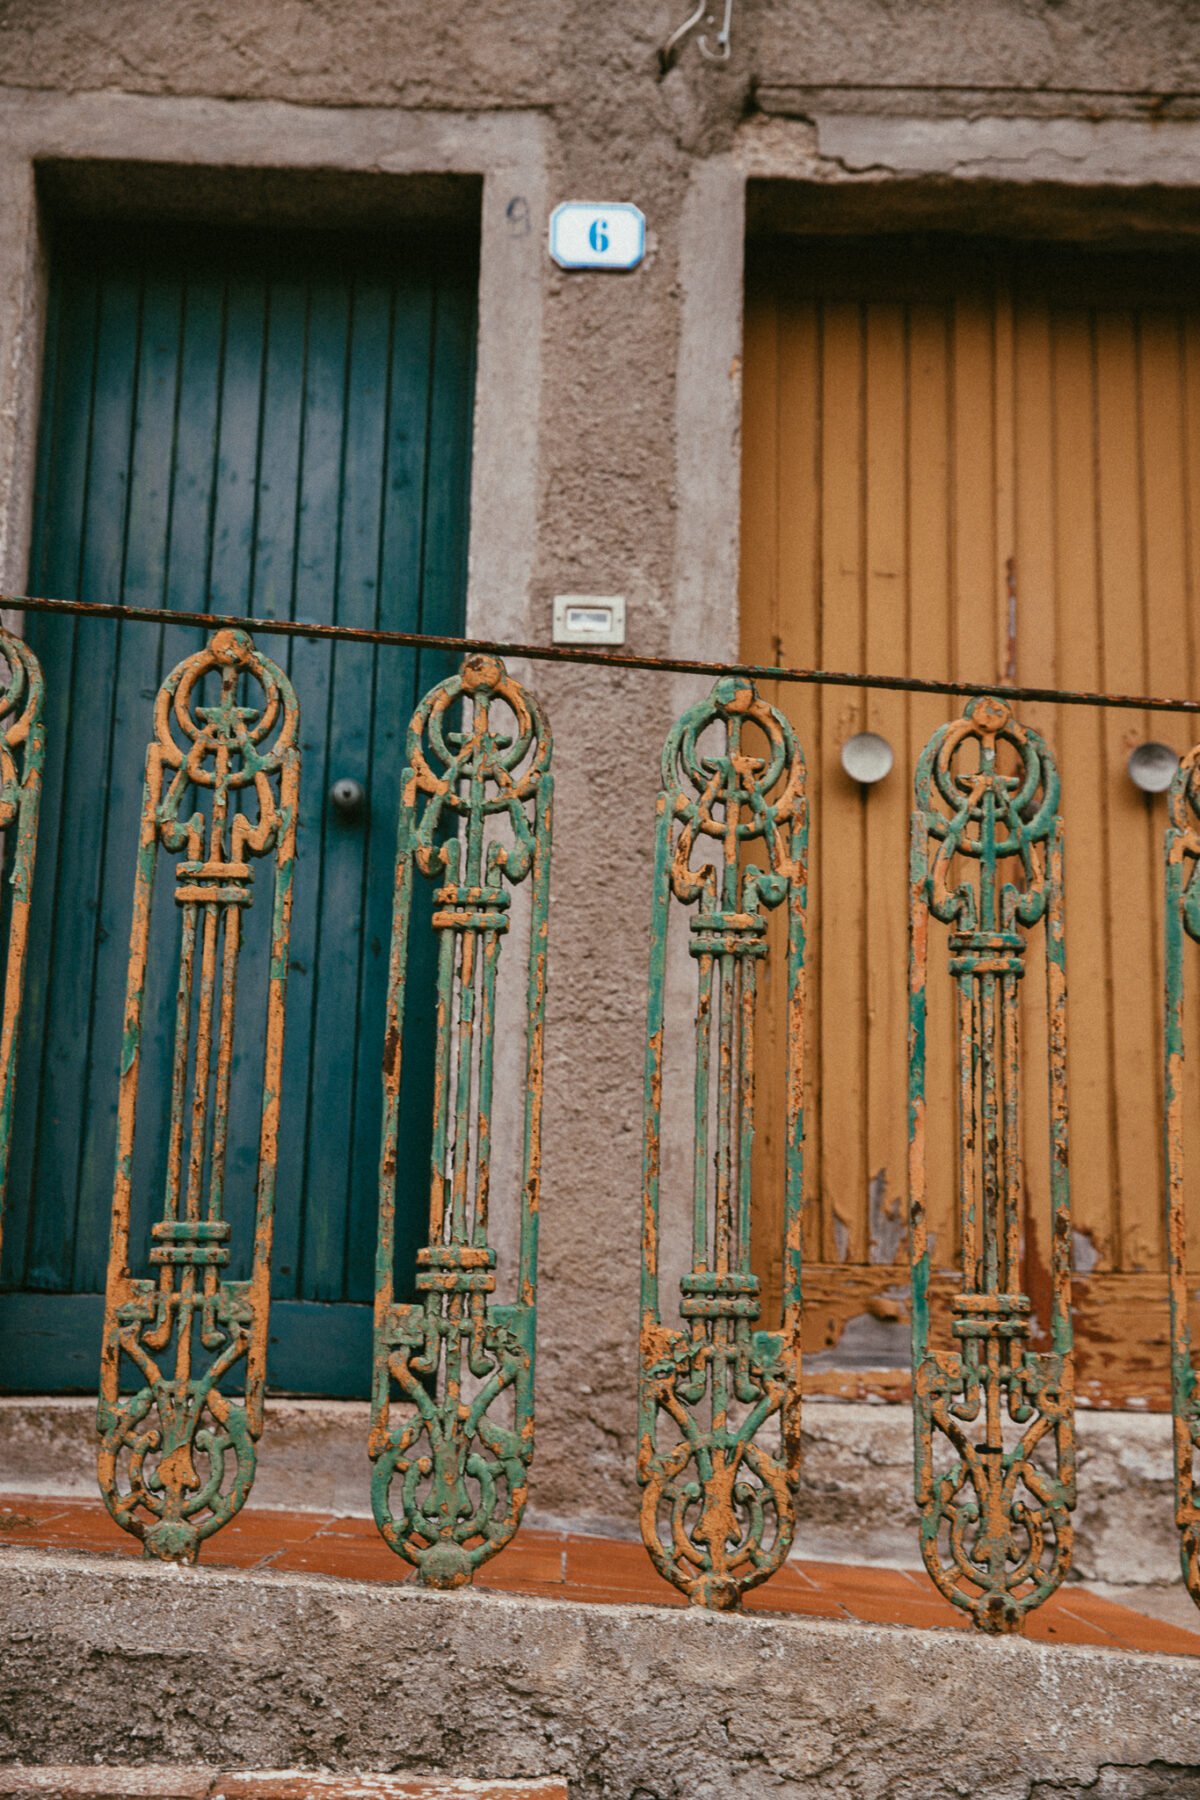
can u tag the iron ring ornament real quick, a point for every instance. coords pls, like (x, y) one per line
(719, 1400)
(450, 1478)
(22, 755)
(1182, 921)
(177, 1455)
(996, 1531)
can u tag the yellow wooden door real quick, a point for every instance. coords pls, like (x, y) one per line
(976, 461)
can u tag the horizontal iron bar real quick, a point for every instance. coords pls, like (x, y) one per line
(566, 653)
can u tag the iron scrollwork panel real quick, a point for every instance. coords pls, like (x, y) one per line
(718, 1504)
(450, 1478)
(996, 1532)
(22, 755)
(1182, 921)
(177, 1455)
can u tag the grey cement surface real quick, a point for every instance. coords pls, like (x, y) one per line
(140, 1663)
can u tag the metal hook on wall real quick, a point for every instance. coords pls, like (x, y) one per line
(670, 50)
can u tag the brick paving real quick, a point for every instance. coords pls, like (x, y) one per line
(560, 1565)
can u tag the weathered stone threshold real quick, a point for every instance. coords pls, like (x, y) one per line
(573, 1566)
(116, 1661)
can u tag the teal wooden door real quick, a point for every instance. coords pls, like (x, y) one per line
(274, 425)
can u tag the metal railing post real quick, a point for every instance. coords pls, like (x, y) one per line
(22, 754)
(718, 1506)
(178, 1449)
(996, 1533)
(475, 815)
(1182, 920)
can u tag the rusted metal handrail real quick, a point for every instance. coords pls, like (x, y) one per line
(152, 1440)
(475, 816)
(987, 862)
(178, 1456)
(22, 754)
(616, 659)
(1182, 921)
(718, 1507)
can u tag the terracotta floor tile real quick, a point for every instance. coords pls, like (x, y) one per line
(813, 1605)
(516, 1563)
(1126, 1626)
(897, 1609)
(345, 1559)
(621, 1565)
(1156, 1636)
(662, 1595)
(1062, 1627)
(15, 1507)
(272, 1528)
(1101, 1609)
(794, 1571)
(349, 1527)
(842, 1578)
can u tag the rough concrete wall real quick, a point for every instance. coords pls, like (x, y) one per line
(134, 1663)
(1100, 45)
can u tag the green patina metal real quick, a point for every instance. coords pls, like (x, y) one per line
(718, 1507)
(177, 1454)
(450, 1478)
(987, 862)
(22, 754)
(1182, 921)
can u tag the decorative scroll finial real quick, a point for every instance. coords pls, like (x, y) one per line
(1182, 920)
(177, 1457)
(718, 1509)
(987, 861)
(475, 815)
(22, 753)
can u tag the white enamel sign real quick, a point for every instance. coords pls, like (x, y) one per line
(588, 234)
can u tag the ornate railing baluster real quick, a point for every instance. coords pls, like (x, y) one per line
(995, 1527)
(460, 1472)
(718, 1506)
(22, 753)
(1181, 922)
(165, 1462)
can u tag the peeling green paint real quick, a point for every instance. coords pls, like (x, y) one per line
(718, 1508)
(449, 1484)
(986, 861)
(22, 757)
(177, 1457)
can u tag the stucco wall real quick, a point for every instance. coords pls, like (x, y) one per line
(606, 440)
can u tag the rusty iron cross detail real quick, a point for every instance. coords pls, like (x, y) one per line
(177, 1453)
(718, 1504)
(987, 862)
(22, 754)
(450, 1478)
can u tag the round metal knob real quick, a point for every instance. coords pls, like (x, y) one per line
(346, 796)
(1152, 767)
(867, 757)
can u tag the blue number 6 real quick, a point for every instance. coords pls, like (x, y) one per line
(598, 234)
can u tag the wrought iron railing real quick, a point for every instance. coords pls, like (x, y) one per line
(452, 1428)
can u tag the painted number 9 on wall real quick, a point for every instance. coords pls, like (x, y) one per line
(586, 234)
